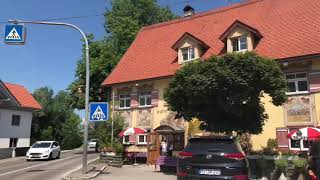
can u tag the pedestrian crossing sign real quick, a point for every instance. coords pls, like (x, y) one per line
(99, 111)
(14, 34)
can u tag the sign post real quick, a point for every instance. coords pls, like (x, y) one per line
(16, 35)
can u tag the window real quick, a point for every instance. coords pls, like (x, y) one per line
(188, 53)
(145, 99)
(295, 143)
(15, 120)
(125, 140)
(142, 139)
(297, 83)
(13, 142)
(239, 43)
(125, 100)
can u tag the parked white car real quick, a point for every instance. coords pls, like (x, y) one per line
(44, 150)
(93, 143)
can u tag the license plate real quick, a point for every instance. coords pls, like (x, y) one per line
(215, 172)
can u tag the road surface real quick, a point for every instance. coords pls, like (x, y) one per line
(19, 169)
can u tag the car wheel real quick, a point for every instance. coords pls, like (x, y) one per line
(58, 157)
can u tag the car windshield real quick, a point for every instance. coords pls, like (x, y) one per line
(41, 145)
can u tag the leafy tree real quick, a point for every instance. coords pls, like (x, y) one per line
(102, 131)
(225, 92)
(122, 23)
(48, 122)
(71, 133)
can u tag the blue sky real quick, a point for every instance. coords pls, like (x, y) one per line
(50, 54)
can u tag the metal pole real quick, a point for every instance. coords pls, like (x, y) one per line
(85, 137)
(112, 116)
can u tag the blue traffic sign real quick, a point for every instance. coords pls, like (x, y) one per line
(14, 34)
(99, 111)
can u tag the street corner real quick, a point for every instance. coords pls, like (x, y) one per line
(93, 170)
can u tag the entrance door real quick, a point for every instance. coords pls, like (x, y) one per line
(153, 147)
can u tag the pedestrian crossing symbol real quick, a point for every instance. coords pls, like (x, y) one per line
(14, 34)
(99, 111)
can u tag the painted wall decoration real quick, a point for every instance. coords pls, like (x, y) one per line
(298, 109)
(127, 117)
(144, 117)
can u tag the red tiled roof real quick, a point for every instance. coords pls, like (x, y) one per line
(21, 94)
(290, 28)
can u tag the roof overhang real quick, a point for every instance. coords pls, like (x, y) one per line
(7, 100)
(190, 36)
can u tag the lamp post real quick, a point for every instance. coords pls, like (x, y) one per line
(85, 138)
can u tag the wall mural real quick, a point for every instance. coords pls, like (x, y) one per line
(127, 118)
(173, 122)
(144, 117)
(298, 109)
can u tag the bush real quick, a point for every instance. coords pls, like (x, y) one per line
(281, 164)
(300, 163)
(245, 142)
(271, 148)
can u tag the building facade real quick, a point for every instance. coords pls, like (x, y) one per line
(16, 107)
(284, 30)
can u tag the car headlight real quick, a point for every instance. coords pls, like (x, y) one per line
(28, 152)
(46, 152)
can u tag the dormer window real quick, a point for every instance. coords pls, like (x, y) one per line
(188, 53)
(240, 37)
(239, 43)
(189, 48)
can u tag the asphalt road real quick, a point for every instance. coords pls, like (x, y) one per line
(20, 169)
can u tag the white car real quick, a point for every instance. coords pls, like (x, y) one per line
(44, 150)
(93, 143)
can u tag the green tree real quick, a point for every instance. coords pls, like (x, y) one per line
(47, 123)
(102, 131)
(225, 92)
(71, 132)
(122, 23)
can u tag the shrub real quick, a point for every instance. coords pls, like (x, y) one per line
(300, 163)
(245, 142)
(281, 164)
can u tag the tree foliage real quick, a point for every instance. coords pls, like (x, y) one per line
(225, 92)
(56, 115)
(71, 132)
(122, 23)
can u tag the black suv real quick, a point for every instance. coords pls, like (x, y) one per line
(212, 158)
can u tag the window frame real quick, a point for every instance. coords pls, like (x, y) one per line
(145, 139)
(13, 140)
(126, 97)
(145, 96)
(188, 49)
(296, 81)
(124, 140)
(13, 123)
(239, 43)
(301, 145)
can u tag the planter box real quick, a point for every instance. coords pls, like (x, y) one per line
(112, 160)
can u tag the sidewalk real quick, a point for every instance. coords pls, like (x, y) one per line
(140, 172)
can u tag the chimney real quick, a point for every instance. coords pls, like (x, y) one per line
(188, 11)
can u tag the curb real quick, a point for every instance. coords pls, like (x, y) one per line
(64, 177)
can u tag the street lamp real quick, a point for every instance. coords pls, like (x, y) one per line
(85, 138)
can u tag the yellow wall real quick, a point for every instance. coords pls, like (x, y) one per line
(275, 120)
(317, 107)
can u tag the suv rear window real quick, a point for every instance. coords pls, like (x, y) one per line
(212, 145)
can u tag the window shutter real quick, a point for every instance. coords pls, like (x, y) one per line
(282, 139)
(132, 139)
(134, 100)
(154, 98)
(314, 82)
(116, 101)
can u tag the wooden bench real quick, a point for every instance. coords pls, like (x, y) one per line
(165, 162)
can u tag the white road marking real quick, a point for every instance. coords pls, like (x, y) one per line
(36, 165)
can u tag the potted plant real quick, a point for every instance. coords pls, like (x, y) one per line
(281, 165)
(300, 165)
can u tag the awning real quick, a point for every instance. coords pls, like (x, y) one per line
(132, 131)
(307, 133)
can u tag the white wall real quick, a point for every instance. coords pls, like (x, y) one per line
(8, 131)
